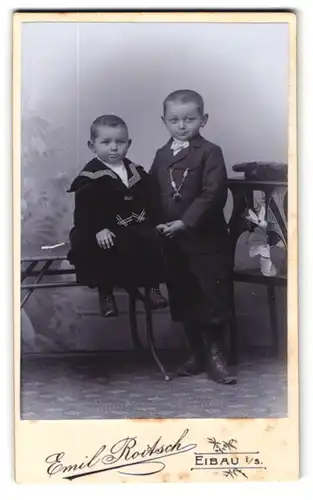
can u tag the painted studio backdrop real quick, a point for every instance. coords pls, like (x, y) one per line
(74, 72)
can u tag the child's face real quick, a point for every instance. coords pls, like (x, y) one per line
(183, 120)
(111, 144)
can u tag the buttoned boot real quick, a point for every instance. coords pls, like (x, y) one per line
(107, 304)
(216, 363)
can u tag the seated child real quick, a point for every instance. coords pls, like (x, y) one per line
(190, 175)
(114, 240)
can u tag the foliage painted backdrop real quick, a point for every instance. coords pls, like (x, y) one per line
(46, 219)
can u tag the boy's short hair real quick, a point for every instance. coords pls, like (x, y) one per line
(185, 96)
(107, 121)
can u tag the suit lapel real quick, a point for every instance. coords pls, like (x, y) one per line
(168, 158)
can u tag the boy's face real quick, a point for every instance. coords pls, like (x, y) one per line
(183, 120)
(111, 144)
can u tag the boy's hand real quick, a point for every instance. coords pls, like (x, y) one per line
(174, 227)
(161, 227)
(105, 238)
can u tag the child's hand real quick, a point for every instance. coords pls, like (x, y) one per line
(105, 238)
(174, 227)
(161, 227)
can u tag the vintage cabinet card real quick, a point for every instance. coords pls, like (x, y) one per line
(155, 152)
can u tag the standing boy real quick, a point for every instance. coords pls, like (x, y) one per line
(190, 175)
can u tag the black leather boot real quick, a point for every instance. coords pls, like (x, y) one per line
(195, 363)
(216, 364)
(156, 299)
(152, 297)
(107, 304)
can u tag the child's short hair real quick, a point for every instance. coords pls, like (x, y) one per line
(108, 121)
(185, 96)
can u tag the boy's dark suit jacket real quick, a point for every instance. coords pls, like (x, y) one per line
(199, 257)
(103, 201)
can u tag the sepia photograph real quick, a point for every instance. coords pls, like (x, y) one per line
(153, 212)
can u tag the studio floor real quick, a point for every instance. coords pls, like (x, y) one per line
(117, 385)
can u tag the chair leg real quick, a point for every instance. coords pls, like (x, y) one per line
(151, 342)
(133, 324)
(271, 300)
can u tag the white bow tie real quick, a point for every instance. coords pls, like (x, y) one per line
(177, 146)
